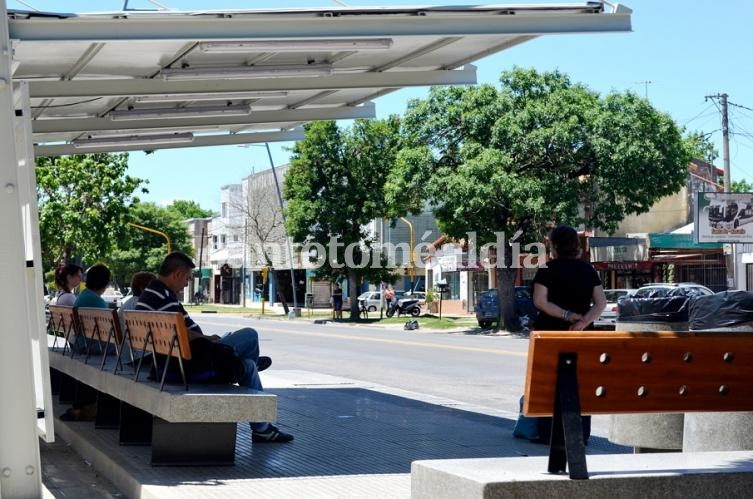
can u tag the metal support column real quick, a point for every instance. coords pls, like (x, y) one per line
(19, 448)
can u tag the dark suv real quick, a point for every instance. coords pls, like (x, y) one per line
(487, 306)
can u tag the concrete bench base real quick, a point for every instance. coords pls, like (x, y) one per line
(702, 474)
(184, 427)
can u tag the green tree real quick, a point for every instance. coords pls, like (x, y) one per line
(334, 188)
(143, 250)
(701, 147)
(189, 209)
(741, 186)
(540, 150)
(83, 205)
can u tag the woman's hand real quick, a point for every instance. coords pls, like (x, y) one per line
(579, 325)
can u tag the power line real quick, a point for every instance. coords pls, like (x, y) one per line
(739, 105)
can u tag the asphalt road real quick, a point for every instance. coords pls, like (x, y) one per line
(483, 370)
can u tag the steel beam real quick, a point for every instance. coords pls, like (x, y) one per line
(131, 87)
(19, 447)
(199, 141)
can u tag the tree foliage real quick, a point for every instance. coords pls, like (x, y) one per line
(335, 188)
(538, 150)
(188, 209)
(143, 250)
(83, 205)
(741, 186)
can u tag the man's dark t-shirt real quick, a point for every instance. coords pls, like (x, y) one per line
(570, 284)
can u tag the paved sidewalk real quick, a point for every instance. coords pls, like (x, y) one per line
(352, 440)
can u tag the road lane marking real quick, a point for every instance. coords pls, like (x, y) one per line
(380, 340)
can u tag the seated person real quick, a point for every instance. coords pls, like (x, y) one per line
(162, 295)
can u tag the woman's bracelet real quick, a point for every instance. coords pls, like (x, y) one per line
(566, 314)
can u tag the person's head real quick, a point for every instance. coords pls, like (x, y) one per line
(565, 242)
(97, 278)
(68, 277)
(140, 280)
(176, 270)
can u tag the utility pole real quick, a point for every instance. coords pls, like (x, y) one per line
(725, 145)
(731, 259)
(725, 139)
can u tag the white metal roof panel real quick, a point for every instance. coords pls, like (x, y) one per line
(85, 71)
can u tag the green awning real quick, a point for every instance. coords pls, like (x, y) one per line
(678, 241)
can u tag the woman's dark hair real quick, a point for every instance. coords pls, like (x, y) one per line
(565, 241)
(63, 272)
(97, 277)
(140, 281)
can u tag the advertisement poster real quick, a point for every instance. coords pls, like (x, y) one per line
(724, 217)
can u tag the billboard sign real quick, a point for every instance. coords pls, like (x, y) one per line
(724, 217)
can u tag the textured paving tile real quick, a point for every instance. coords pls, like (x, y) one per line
(349, 442)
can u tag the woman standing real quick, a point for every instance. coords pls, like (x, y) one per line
(569, 296)
(568, 291)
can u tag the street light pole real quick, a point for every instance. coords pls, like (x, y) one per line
(282, 212)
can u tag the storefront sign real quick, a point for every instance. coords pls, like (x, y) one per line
(623, 266)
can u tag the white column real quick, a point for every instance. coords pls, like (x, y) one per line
(19, 448)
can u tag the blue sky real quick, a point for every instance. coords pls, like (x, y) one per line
(678, 53)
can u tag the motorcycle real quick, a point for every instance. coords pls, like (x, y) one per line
(404, 306)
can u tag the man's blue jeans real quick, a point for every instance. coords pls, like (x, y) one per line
(246, 344)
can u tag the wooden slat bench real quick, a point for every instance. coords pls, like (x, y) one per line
(185, 425)
(571, 374)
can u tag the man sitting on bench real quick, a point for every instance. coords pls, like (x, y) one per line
(161, 295)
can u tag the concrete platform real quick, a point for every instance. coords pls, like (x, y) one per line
(352, 440)
(682, 475)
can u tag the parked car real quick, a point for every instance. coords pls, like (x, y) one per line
(487, 306)
(373, 299)
(666, 289)
(608, 317)
(419, 295)
(113, 297)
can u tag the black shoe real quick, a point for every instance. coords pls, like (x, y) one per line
(263, 363)
(272, 435)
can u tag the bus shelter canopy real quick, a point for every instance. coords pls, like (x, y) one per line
(144, 80)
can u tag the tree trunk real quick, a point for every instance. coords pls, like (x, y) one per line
(353, 294)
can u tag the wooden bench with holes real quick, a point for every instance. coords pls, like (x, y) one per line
(571, 374)
(185, 425)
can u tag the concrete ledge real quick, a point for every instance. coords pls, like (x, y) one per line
(200, 404)
(702, 474)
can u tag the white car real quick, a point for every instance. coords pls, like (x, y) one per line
(608, 317)
(373, 300)
(113, 297)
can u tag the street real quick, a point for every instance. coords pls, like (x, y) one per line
(483, 370)
(486, 371)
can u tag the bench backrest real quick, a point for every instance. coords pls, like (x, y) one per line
(61, 319)
(62, 323)
(100, 324)
(160, 329)
(642, 372)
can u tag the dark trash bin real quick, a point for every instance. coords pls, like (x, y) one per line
(650, 432)
(728, 311)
